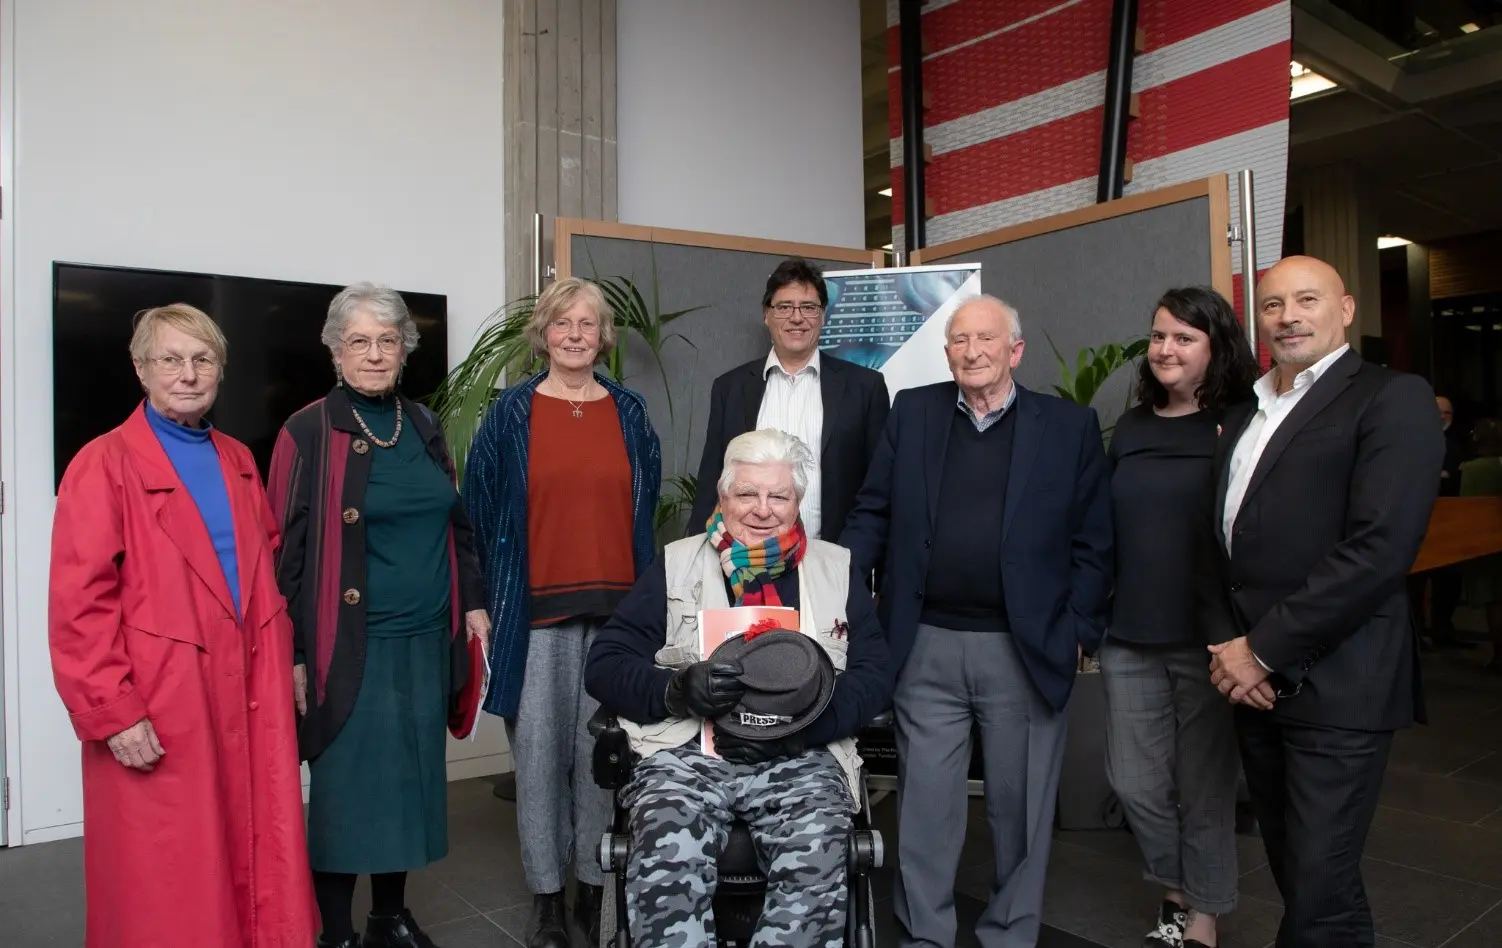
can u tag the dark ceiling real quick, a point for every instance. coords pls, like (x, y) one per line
(1436, 170)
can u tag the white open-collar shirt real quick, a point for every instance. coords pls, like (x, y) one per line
(1272, 409)
(794, 404)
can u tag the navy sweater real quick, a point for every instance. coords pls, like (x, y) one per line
(621, 672)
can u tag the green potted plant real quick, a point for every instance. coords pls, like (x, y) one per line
(1092, 367)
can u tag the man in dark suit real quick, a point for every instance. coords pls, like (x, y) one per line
(836, 407)
(989, 508)
(1325, 486)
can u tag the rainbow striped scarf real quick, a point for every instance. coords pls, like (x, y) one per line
(752, 569)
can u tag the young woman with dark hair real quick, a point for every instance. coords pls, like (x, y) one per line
(1171, 749)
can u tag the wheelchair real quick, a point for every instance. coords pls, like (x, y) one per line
(741, 890)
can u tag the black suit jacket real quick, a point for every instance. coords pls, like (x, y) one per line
(856, 404)
(1333, 517)
(1056, 542)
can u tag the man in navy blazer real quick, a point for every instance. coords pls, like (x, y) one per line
(989, 508)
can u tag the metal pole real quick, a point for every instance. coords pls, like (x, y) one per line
(536, 254)
(1248, 255)
(910, 46)
(1113, 138)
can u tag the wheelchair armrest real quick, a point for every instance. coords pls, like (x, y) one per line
(602, 721)
(612, 759)
(884, 719)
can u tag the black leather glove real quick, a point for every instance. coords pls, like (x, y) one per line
(705, 690)
(740, 750)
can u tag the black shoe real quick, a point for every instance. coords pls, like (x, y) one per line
(395, 931)
(352, 941)
(1172, 920)
(1191, 943)
(587, 911)
(548, 926)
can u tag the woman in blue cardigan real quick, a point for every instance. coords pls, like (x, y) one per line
(561, 486)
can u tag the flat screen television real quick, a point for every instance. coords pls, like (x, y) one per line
(276, 362)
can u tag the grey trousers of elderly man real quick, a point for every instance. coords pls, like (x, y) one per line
(952, 680)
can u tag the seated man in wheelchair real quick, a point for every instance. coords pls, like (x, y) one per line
(794, 783)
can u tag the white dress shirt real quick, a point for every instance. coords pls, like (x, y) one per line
(794, 404)
(1272, 409)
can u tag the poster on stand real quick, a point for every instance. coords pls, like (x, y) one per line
(892, 320)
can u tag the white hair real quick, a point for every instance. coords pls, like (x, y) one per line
(383, 303)
(1006, 307)
(767, 446)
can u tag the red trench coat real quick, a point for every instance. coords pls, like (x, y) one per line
(208, 848)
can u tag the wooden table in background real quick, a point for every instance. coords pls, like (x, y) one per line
(1461, 528)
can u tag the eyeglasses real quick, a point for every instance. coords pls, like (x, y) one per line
(174, 365)
(359, 345)
(786, 310)
(586, 327)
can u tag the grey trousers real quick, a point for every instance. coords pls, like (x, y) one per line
(952, 679)
(560, 813)
(682, 804)
(1172, 759)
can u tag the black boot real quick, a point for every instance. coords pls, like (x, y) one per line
(395, 931)
(587, 911)
(548, 926)
(352, 941)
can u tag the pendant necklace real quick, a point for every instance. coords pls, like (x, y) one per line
(578, 407)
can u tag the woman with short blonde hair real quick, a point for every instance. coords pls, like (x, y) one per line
(172, 651)
(561, 298)
(561, 486)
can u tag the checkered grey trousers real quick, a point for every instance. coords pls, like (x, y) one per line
(1171, 756)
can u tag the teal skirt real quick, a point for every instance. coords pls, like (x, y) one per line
(379, 795)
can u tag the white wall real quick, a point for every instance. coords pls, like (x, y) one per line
(330, 142)
(742, 118)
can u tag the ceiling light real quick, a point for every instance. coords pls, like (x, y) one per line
(885, 192)
(1306, 81)
(1469, 27)
(1383, 243)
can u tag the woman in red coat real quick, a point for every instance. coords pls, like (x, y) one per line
(172, 651)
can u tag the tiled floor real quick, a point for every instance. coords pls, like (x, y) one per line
(1433, 866)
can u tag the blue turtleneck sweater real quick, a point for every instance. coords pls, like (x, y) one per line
(193, 456)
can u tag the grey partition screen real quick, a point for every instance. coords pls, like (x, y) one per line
(1091, 276)
(724, 276)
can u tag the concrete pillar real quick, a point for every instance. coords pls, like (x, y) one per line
(1340, 228)
(560, 109)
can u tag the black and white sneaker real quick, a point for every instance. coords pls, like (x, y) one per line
(1172, 920)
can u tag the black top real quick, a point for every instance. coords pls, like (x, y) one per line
(963, 588)
(1162, 491)
(621, 672)
(1455, 455)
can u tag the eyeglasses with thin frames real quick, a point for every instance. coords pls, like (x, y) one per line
(786, 310)
(586, 327)
(359, 345)
(174, 365)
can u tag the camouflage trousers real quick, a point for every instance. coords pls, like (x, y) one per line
(682, 804)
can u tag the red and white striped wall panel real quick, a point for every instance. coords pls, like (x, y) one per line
(1017, 91)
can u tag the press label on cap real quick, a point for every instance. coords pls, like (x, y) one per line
(762, 720)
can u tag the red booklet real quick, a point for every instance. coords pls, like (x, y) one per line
(717, 625)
